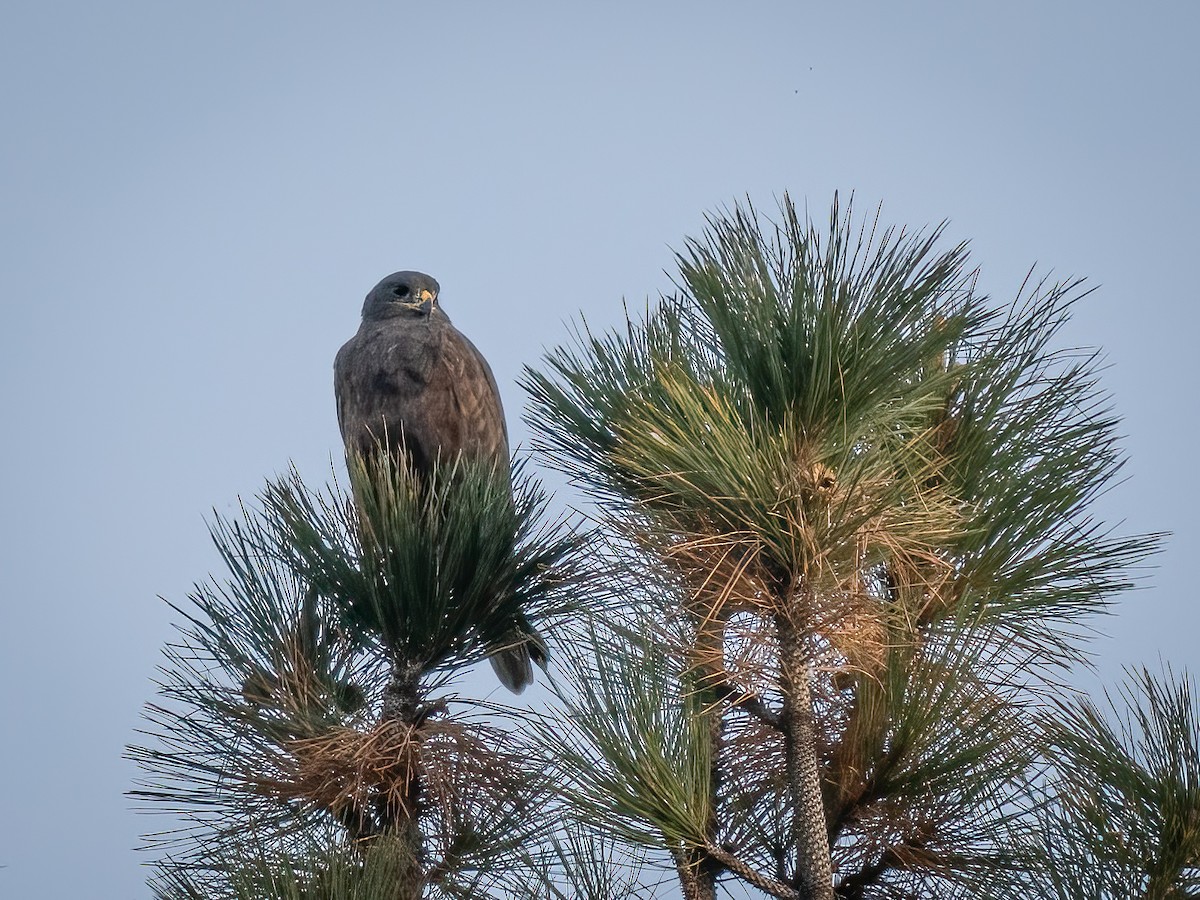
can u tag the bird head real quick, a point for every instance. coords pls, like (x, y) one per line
(411, 294)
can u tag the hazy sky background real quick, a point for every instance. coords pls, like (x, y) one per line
(197, 196)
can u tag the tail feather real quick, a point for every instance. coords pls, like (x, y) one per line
(513, 667)
(512, 660)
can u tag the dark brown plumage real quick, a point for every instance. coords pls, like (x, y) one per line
(409, 375)
(410, 378)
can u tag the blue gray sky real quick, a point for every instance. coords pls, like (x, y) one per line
(196, 197)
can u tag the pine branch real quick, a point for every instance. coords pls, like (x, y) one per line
(751, 703)
(752, 876)
(852, 886)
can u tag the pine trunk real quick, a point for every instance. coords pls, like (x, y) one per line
(814, 870)
(401, 819)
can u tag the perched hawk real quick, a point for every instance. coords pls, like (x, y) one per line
(410, 377)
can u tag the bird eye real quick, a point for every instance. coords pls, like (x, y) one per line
(400, 290)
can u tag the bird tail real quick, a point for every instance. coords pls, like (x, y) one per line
(513, 657)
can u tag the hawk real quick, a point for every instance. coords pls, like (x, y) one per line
(411, 378)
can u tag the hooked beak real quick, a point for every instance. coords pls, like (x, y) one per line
(428, 301)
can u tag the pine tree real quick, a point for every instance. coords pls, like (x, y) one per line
(851, 494)
(306, 731)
